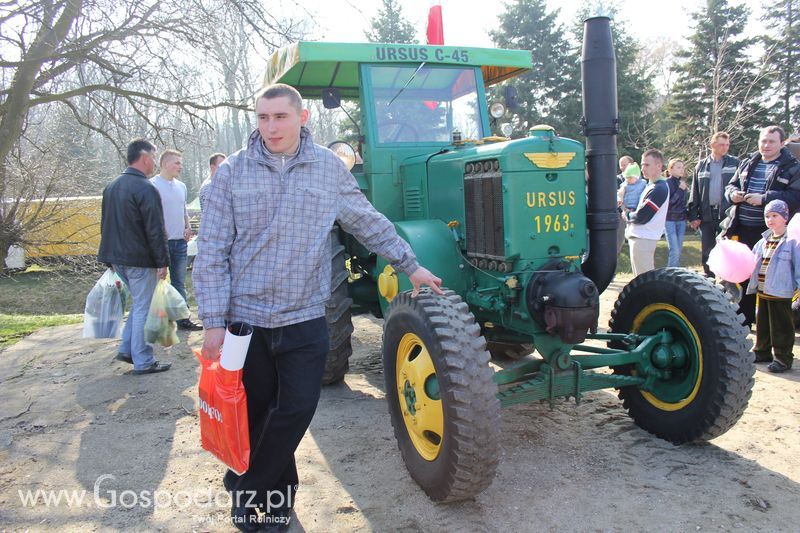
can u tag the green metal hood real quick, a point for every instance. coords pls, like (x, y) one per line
(543, 193)
(312, 66)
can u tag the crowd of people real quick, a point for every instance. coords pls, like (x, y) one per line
(703, 207)
(748, 200)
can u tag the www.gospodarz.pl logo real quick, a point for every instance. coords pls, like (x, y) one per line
(106, 498)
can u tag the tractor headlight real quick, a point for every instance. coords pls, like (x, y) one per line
(497, 110)
(345, 153)
(506, 129)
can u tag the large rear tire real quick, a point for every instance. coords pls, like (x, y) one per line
(338, 316)
(708, 391)
(442, 399)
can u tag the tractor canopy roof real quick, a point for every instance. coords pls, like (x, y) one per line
(312, 66)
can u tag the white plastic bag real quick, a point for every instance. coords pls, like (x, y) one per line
(102, 316)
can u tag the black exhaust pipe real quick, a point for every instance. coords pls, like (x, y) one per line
(600, 126)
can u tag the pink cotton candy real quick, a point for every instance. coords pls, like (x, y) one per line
(732, 261)
(793, 229)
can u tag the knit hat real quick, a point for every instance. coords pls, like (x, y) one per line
(633, 171)
(779, 207)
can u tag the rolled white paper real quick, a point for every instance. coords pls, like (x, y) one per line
(234, 347)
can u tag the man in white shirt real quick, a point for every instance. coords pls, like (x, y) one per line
(646, 224)
(176, 220)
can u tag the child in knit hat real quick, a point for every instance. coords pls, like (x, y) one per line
(628, 194)
(775, 278)
(631, 189)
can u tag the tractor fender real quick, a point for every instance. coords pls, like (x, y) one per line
(436, 249)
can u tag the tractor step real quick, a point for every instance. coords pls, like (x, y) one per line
(548, 385)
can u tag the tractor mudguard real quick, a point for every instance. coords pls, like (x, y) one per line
(436, 249)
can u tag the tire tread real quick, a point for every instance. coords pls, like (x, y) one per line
(731, 394)
(472, 407)
(338, 316)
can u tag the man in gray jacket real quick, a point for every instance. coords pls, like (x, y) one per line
(265, 259)
(707, 202)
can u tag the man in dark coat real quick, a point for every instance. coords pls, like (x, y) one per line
(134, 242)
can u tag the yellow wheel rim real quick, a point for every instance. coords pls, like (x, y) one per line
(418, 395)
(667, 396)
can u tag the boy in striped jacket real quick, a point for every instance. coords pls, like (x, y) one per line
(775, 278)
(646, 224)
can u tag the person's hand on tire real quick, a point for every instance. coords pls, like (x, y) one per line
(423, 276)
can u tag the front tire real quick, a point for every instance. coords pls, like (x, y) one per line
(708, 392)
(442, 399)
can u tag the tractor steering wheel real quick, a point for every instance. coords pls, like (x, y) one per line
(398, 130)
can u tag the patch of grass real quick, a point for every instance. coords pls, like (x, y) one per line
(40, 297)
(46, 291)
(15, 327)
(690, 255)
(190, 290)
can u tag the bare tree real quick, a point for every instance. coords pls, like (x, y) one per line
(718, 85)
(117, 68)
(230, 50)
(735, 102)
(736, 93)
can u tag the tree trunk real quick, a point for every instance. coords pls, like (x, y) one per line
(3, 253)
(16, 107)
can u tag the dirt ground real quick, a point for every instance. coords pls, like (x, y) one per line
(75, 423)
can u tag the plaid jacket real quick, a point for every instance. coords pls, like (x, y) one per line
(264, 250)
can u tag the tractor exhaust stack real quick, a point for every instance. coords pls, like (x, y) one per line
(600, 126)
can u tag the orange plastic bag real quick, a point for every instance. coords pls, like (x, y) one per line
(223, 415)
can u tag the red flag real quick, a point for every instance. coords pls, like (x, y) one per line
(435, 27)
(435, 34)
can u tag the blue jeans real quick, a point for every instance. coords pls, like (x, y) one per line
(141, 283)
(675, 230)
(177, 266)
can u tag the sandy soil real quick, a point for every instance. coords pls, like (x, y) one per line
(73, 420)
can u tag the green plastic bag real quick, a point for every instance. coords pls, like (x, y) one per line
(166, 307)
(175, 305)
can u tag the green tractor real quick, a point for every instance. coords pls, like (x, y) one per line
(524, 248)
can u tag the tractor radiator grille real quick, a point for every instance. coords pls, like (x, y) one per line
(483, 200)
